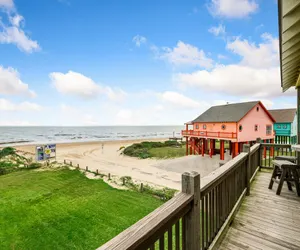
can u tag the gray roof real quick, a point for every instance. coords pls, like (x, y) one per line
(226, 113)
(283, 115)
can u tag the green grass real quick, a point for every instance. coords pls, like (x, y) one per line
(167, 152)
(63, 209)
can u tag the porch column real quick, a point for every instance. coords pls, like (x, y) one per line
(210, 148)
(265, 150)
(191, 142)
(202, 146)
(230, 148)
(221, 149)
(187, 146)
(213, 145)
(236, 149)
(298, 123)
(272, 148)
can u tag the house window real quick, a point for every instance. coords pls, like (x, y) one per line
(269, 129)
(279, 126)
(204, 126)
(197, 126)
(255, 127)
(223, 126)
(257, 109)
(284, 126)
(240, 128)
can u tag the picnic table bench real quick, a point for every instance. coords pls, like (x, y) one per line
(285, 171)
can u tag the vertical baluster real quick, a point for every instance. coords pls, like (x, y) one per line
(162, 242)
(211, 216)
(183, 232)
(177, 236)
(202, 233)
(170, 238)
(206, 221)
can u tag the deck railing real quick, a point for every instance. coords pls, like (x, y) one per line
(269, 151)
(196, 217)
(229, 135)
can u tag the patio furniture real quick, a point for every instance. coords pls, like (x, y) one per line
(287, 158)
(285, 171)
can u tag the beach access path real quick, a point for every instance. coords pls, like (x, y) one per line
(108, 159)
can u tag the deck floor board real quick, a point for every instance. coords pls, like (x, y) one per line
(266, 220)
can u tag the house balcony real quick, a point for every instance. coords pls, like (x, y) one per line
(209, 134)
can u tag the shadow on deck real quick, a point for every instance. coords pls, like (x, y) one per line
(265, 220)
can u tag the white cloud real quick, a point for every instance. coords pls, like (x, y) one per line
(232, 8)
(8, 4)
(11, 84)
(12, 32)
(256, 75)
(138, 40)
(218, 30)
(114, 94)
(6, 105)
(236, 80)
(73, 83)
(17, 123)
(263, 55)
(178, 99)
(184, 54)
(221, 57)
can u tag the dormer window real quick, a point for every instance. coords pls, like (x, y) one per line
(204, 126)
(197, 126)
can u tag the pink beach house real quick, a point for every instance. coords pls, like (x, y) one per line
(236, 123)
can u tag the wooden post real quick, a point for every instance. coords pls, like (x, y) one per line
(221, 150)
(265, 151)
(272, 148)
(298, 123)
(77, 165)
(191, 224)
(71, 163)
(187, 146)
(236, 148)
(258, 140)
(64, 161)
(97, 171)
(211, 144)
(246, 149)
(87, 168)
(142, 188)
(109, 176)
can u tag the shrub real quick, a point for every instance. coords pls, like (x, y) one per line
(34, 165)
(7, 151)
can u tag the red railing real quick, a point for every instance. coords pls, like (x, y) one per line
(230, 135)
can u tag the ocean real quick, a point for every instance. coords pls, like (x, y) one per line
(28, 135)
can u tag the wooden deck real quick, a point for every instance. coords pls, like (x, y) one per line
(265, 220)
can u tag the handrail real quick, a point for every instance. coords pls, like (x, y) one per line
(220, 194)
(148, 229)
(205, 133)
(216, 176)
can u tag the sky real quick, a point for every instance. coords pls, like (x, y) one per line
(116, 62)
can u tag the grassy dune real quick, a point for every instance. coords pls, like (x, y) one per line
(62, 209)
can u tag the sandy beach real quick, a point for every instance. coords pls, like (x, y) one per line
(110, 160)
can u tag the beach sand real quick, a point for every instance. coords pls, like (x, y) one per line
(156, 172)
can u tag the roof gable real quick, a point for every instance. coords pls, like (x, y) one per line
(283, 115)
(226, 113)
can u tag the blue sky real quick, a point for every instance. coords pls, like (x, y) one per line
(114, 62)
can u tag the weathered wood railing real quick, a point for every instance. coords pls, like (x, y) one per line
(268, 152)
(196, 217)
